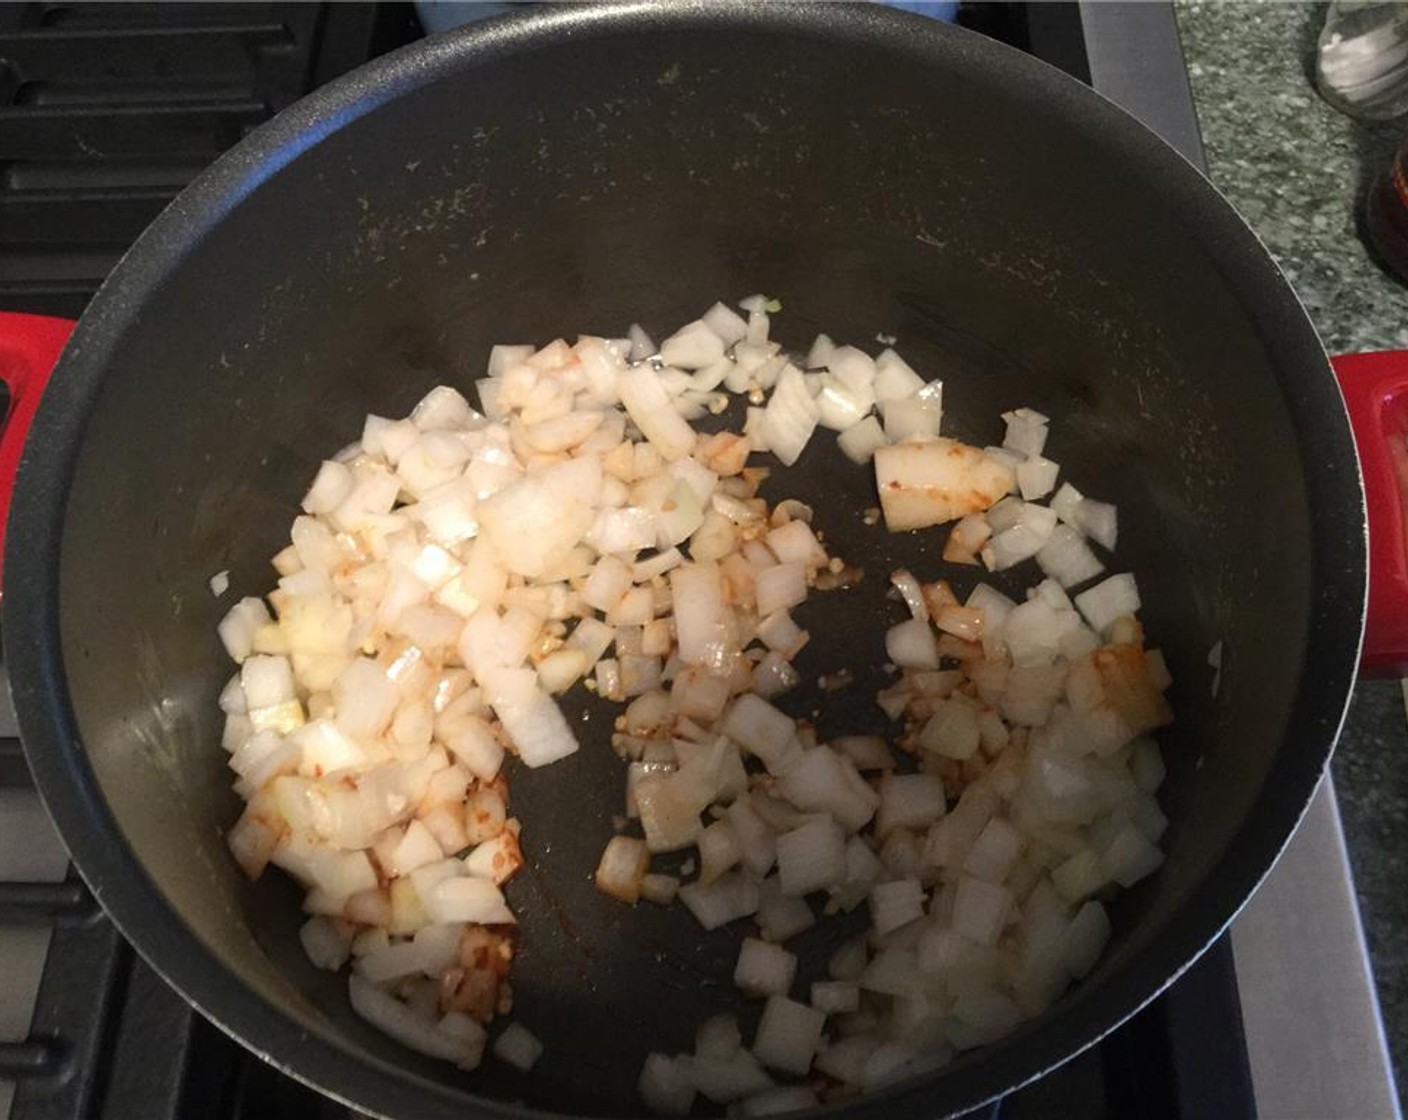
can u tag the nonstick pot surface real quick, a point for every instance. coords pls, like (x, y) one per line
(575, 169)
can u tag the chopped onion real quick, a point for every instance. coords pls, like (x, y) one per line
(388, 1014)
(911, 644)
(731, 897)
(917, 416)
(861, 440)
(894, 378)
(811, 857)
(1036, 477)
(788, 1035)
(928, 483)
(534, 724)
(835, 996)
(517, 1047)
(467, 899)
(696, 344)
(980, 910)
(781, 587)
(781, 916)
(764, 969)
(666, 1084)
(659, 889)
(724, 1080)
(451, 572)
(791, 416)
(1026, 432)
(623, 866)
(324, 943)
(1106, 601)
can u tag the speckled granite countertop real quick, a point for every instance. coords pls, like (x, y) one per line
(1297, 170)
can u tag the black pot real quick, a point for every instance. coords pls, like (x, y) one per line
(576, 168)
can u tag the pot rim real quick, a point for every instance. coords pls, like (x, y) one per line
(1338, 581)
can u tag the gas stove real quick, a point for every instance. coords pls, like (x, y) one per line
(106, 112)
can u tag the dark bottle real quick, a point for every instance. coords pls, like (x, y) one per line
(1386, 210)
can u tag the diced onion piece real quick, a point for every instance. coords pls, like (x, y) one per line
(669, 812)
(1108, 600)
(860, 441)
(1130, 857)
(911, 644)
(464, 1047)
(1027, 535)
(648, 404)
(659, 889)
(517, 1047)
(1065, 502)
(696, 345)
(842, 404)
(781, 634)
(756, 839)
(791, 416)
(928, 483)
(781, 916)
(623, 866)
(719, 851)
(534, 724)
(726, 323)
(530, 527)
(642, 346)
(764, 969)
(443, 409)
(912, 801)
(911, 593)
(704, 632)
(324, 943)
(467, 899)
(895, 904)
(866, 752)
(1084, 939)
(331, 487)
(980, 910)
(781, 587)
(849, 961)
(727, 1079)
(894, 378)
(237, 629)
(504, 358)
(835, 997)
(1066, 558)
(1026, 431)
(760, 728)
(1036, 476)
(824, 781)
(995, 851)
(788, 1035)
(267, 682)
(731, 897)
(952, 730)
(666, 1084)
(811, 857)
(1099, 521)
(920, 415)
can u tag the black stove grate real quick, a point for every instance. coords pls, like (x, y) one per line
(106, 112)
